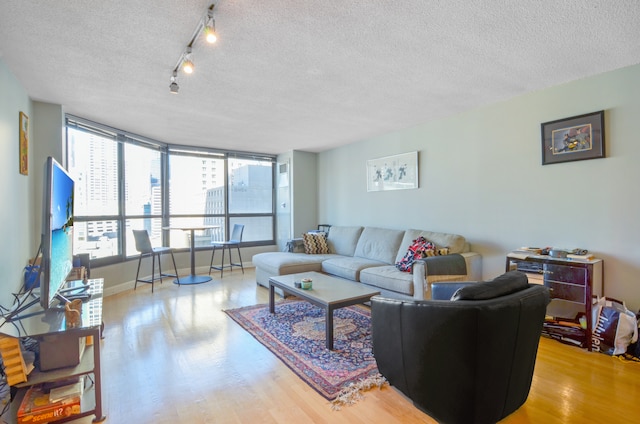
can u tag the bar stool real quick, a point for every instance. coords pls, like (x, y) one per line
(143, 245)
(234, 241)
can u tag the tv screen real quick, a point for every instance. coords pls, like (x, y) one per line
(57, 231)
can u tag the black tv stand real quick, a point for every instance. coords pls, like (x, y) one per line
(52, 324)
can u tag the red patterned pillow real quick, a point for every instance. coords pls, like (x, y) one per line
(417, 250)
(315, 243)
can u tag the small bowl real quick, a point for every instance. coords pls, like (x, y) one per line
(306, 284)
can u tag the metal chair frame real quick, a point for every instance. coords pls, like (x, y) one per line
(143, 245)
(234, 241)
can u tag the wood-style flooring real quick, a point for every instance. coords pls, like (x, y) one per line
(174, 356)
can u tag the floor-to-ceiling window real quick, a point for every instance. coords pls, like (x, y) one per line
(126, 182)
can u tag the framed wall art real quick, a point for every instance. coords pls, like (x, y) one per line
(575, 138)
(24, 144)
(396, 172)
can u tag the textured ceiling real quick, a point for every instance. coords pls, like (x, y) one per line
(304, 74)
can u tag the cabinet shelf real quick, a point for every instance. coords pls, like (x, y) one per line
(572, 285)
(84, 367)
(87, 405)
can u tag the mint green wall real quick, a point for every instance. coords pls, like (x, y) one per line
(16, 212)
(481, 176)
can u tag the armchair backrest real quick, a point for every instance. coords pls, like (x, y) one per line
(461, 361)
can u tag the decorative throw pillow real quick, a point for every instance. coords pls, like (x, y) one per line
(416, 251)
(315, 243)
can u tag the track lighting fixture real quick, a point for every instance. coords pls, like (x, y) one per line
(174, 87)
(185, 62)
(210, 27)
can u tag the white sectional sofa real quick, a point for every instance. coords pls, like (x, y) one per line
(368, 255)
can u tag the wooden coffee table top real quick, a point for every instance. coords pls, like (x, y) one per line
(325, 289)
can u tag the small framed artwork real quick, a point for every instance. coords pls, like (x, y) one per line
(396, 172)
(24, 144)
(575, 138)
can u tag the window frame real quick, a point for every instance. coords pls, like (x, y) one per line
(122, 137)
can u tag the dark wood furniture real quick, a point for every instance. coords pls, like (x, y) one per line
(572, 283)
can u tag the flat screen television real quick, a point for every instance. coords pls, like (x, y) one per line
(57, 231)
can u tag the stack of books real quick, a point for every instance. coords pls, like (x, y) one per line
(565, 331)
(43, 406)
(585, 257)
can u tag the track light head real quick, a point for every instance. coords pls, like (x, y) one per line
(210, 26)
(210, 32)
(174, 87)
(187, 64)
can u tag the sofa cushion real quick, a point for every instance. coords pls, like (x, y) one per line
(505, 284)
(315, 243)
(379, 244)
(343, 240)
(348, 267)
(283, 263)
(388, 278)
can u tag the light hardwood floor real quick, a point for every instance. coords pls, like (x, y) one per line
(175, 357)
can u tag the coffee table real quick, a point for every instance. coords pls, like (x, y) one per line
(327, 292)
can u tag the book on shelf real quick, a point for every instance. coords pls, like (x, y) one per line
(530, 250)
(525, 252)
(70, 390)
(586, 257)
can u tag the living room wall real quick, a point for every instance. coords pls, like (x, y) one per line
(16, 213)
(481, 177)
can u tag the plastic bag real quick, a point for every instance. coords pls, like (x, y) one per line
(31, 274)
(614, 327)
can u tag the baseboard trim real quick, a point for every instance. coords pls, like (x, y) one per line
(129, 285)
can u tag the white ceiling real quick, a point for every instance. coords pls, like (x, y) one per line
(304, 74)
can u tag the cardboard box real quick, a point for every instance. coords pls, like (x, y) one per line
(77, 273)
(36, 408)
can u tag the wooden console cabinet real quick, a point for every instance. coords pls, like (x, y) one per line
(572, 284)
(52, 323)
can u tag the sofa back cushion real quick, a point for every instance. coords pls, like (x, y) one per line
(343, 240)
(455, 243)
(379, 244)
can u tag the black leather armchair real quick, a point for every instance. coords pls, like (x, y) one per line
(465, 360)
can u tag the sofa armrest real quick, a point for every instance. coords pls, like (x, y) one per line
(474, 265)
(454, 264)
(422, 278)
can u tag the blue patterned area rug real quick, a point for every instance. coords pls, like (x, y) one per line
(296, 335)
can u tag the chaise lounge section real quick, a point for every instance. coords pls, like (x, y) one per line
(368, 255)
